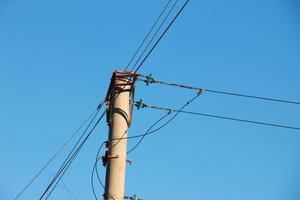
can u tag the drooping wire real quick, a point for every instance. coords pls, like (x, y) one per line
(68, 161)
(142, 136)
(52, 158)
(148, 34)
(162, 35)
(223, 117)
(95, 169)
(166, 123)
(154, 35)
(149, 80)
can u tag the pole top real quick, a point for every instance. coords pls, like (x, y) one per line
(127, 79)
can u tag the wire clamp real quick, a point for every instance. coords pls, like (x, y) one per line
(134, 197)
(108, 157)
(148, 79)
(140, 105)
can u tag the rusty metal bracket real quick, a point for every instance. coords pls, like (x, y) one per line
(108, 157)
(129, 78)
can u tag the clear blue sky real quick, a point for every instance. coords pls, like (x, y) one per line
(56, 59)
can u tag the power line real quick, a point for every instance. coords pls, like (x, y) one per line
(52, 158)
(148, 131)
(221, 117)
(95, 165)
(149, 80)
(70, 158)
(159, 39)
(154, 35)
(162, 35)
(70, 154)
(76, 153)
(142, 136)
(148, 34)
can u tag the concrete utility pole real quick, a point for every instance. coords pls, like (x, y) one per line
(119, 102)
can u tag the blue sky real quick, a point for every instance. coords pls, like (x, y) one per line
(56, 59)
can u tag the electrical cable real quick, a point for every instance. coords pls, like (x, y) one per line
(52, 158)
(148, 133)
(148, 34)
(223, 117)
(148, 54)
(142, 136)
(164, 32)
(154, 35)
(149, 79)
(68, 161)
(162, 35)
(72, 155)
(76, 153)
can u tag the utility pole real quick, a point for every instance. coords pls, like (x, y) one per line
(119, 101)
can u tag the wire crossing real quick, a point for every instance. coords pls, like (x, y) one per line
(143, 105)
(150, 80)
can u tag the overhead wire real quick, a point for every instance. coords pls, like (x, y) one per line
(150, 80)
(145, 58)
(151, 50)
(155, 34)
(73, 153)
(165, 124)
(222, 117)
(76, 152)
(95, 167)
(162, 35)
(148, 34)
(141, 136)
(70, 154)
(53, 157)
